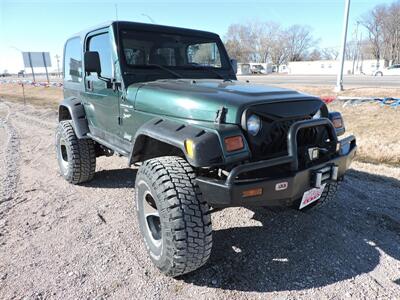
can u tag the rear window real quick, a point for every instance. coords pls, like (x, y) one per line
(73, 61)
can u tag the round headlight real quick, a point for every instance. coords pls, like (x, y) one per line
(317, 114)
(253, 125)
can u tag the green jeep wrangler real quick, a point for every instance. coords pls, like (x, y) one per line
(169, 101)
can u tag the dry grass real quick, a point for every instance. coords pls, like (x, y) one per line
(377, 131)
(323, 91)
(38, 96)
(376, 128)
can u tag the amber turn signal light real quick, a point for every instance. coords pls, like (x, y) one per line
(189, 147)
(252, 192)
(234, 143)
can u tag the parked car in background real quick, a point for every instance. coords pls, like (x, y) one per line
(243, 69)
(392, 70)
(257, 69)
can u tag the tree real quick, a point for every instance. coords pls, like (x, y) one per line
(279, 51)
(263, 42)
(315, 55)
(238, 42)
(329, 53)
(391, 32)
(373, 21)
(299, 41)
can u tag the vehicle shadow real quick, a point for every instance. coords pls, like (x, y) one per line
(293, 250)
(112, 179)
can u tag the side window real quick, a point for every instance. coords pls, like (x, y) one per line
(101, 44)
(204, 54)
(73, 60)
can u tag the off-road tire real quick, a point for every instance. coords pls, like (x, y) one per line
(184, 218)
(327, 196)
(76, 157)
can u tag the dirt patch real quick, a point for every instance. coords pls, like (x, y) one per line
(60, 241)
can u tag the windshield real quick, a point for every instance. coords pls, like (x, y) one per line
(146, 49)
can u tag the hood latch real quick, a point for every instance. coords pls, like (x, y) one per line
(221, 114)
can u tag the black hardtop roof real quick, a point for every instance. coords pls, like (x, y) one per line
(125, 25)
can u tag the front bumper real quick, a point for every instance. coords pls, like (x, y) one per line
(285, 190)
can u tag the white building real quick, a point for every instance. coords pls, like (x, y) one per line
(330, 67)
(268, 68)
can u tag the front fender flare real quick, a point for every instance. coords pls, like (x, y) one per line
(207, 152)
(76, 114)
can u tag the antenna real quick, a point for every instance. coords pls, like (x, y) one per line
(117, 85)
(118, 42)
(148, 17)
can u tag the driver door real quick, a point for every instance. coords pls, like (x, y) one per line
(100, 100)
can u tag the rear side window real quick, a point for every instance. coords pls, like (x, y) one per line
(73, 61)
(101, 44)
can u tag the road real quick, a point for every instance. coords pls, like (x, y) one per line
(321, 80)
(60, 241)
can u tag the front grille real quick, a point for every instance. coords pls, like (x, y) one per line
(272, 140)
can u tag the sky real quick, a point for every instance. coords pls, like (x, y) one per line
(45, 25)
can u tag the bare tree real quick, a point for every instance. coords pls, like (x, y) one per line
(329, 53)
(299, 41)
(268, 42)
(238, 42)
(391, 32)
(315, 55)
(250, 41)
(279, 50)
(262, 39)
(373, 21)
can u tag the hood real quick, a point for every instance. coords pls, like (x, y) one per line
(201, 99)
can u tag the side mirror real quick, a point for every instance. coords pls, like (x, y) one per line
(234, 65)
(92, 62)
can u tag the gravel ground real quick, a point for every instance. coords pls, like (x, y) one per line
(73, 242)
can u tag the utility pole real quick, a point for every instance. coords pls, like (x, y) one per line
(58, 65)
(355, 48)
(45, 67)
(339, 81)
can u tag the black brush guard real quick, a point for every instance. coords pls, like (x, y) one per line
(229, 192)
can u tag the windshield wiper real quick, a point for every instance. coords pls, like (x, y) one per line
(210, 69)
(177, 75)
